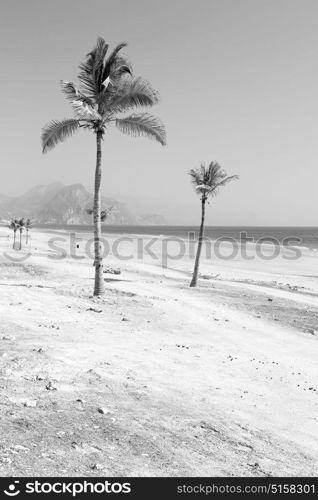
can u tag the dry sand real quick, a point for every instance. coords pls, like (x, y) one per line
(155, 378)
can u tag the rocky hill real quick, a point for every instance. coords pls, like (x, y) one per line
(59, 204)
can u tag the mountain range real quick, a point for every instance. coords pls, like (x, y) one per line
(60, 204)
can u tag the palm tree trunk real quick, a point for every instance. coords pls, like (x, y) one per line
(27, 236)
(98, 262)
(14, 235)
(20, 247)
(197, 258)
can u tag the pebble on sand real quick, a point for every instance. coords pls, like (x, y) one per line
(112, 270)
(50, 387)
(30, 403)
(94, 309)
(98, 467)
(103, 411)
(312, 331)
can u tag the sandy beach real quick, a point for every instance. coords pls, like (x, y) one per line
(155, 378)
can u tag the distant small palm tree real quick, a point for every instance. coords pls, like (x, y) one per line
(14, 225)
(107, 89)
(103, 213)
(28, 226)
(21, 223)
(206, 181)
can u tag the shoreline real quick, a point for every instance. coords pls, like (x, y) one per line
(191, 239)
(131, 234)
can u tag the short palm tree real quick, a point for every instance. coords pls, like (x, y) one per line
(28, 226)
(206, 181)
(106, 90)
(14, 225)
(103, 213)
(21, 227)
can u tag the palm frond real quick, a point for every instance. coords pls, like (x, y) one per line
(69, 89)
(225, 181)
(100, 50)
(85, 112)
(57, 131)
(215, 173)
(100, 55)
(73, 94)
(196, 177)
(120, 67)
(133, 93)
(91, 69)
(87, 82)
(110, 61)
(204, 173)
(143, 124)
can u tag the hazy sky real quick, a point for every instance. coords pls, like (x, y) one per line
(238, 81)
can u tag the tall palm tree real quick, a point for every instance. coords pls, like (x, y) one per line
(28, 226)
(206, 181)
(106, 90)
(21, 227)
(14, 224)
